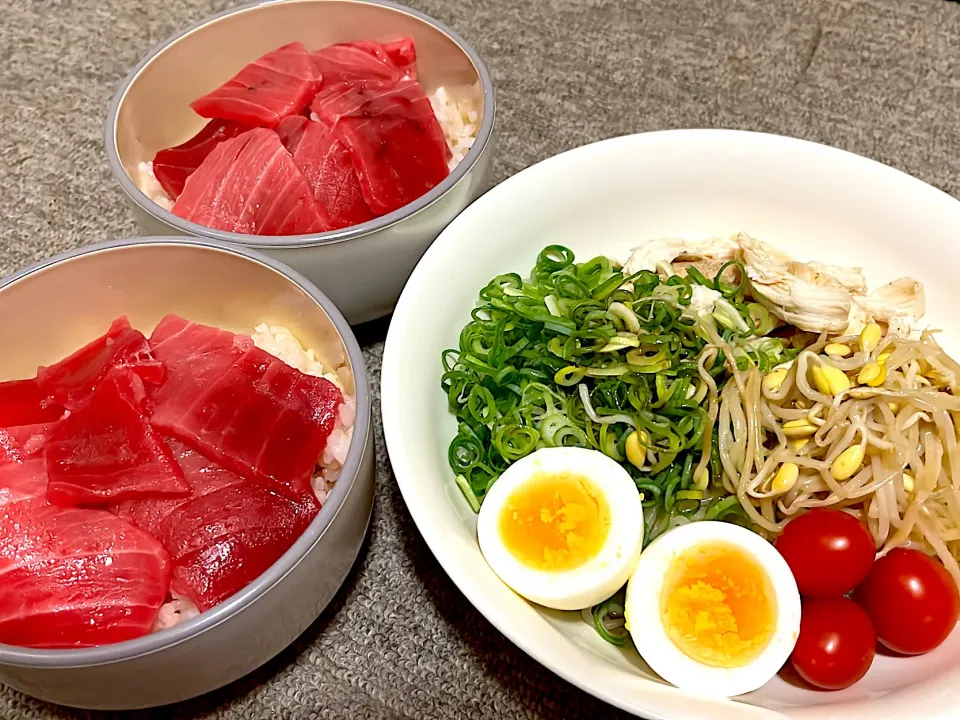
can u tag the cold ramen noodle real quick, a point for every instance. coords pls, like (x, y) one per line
(144, 480)
(643, 410)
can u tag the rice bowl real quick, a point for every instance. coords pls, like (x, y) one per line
(150, 112)
(263, 618)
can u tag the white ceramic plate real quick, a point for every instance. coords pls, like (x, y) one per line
(810, 200)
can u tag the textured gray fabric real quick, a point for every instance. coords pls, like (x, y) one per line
(876, 77)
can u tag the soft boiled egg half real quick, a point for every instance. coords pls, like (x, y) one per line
(563, 527)
(713, 608)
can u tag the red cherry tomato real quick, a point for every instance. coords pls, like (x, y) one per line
(829, 552)
(836, 644)
(912, 601)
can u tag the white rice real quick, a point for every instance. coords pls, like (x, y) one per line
(151, 187)
(459, 116)
(178, 610)
(457, 111)
(281, 343)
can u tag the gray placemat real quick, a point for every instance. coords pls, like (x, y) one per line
(876, 77)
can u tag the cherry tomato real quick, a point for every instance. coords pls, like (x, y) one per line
(912, 601)
(829, 552)
(836, 644)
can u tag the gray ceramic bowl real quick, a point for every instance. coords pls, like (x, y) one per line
(56, 306)
(362, 268)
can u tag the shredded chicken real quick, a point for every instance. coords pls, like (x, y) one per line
(812, 296)
(660, 254)
(899, 304)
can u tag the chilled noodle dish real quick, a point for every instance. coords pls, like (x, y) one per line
(722, 381)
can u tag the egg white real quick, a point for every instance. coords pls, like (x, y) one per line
(600, 576)
(644, 620)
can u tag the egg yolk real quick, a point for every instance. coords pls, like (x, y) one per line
(717, 605)
(555, 521)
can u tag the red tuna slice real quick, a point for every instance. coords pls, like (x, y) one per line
(226, 534)
(19, 443)
(186, 334)
(71, 380)
(174, 165)
(279, 84)
(364, 60)
(105, 451)
(251, 185)
(327, 165)
(204, 476)
(10, 451)
(24, 402)
(290, 130)
(403, 55)
(72, 577)
(261, 419)
(195, 356)
(396, 142)
(21, 481)
(333, 103)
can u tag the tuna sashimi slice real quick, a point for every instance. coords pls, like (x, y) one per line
(71, 380)
(229, 537)
(105, 451)
(24, 402)
(364, 60)
(185, 334)
(174, 165)
(290, 130)
(195, 356)
(327, 165)
(279, 84)
(393, 135)
(338, 101)
(251, 185)
(72, 577)
(227, 533)
(203, 476)
(21, 480)
(10, 450)
(403, 54)
(19, 443)
(261, 418)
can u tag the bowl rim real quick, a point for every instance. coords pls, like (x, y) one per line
(13, 655)
(557, 658)
(145, 204)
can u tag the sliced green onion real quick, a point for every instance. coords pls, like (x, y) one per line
(721, 507)
(726, 289)
(762, 319)
(551, 302)
(468, 493)
(621, 341)
(629, 318)
(611, 371)
(610, 622)
(729, 317)
(569, 376)
(581, 355)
